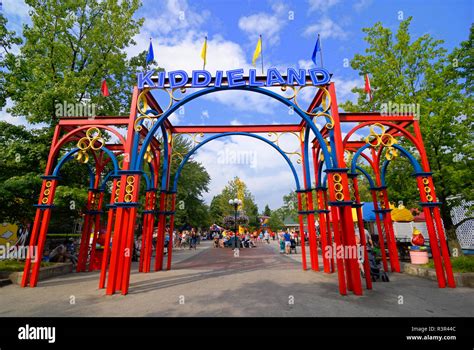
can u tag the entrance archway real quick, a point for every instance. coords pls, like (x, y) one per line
(336, 194)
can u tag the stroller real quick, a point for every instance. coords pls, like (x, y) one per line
(376, 269)
(293, 246)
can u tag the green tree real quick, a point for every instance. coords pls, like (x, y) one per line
(289, 210)
(70, 47)
(220, 207)
(7, 40)
(267, 211)
(192, 184)
(421, 72)
(275, 222)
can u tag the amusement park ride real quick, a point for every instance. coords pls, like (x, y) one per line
(122, 152)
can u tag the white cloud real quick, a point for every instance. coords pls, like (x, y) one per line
(362, 5)
(6, 116)
(267, 174)
(15, 8)
(176, 16)
(267, 24)
(344, 87)
(327, 28)
(321, 5)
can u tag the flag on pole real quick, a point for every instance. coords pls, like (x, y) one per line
(204, 53)
(104, 89)
(317, 48)
(367, 87)
(257, 52)
(150, 56)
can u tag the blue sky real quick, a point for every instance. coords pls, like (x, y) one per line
(289, 30)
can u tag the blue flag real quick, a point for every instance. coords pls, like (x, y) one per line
(317, 48)
(150, 57)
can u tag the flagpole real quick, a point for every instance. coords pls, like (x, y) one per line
(205, 54)
(320, 51)
(261, 51)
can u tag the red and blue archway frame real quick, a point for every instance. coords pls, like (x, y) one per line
(336, 193)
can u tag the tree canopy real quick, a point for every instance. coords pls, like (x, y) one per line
(406, 70)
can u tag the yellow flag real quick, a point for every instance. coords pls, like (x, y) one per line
(204, 51)
(257, 52)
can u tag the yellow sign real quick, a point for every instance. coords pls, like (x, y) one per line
(8, 233)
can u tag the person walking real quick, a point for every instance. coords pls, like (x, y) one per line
(287, 239)
(267, 237)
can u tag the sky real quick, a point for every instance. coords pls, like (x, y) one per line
(289, 29)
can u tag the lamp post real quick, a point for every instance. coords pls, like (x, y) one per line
(235, 203)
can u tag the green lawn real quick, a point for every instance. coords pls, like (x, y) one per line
(15, 265)
(463, 263)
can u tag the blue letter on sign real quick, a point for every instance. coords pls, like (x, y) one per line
(235, 77)
(178, 73)
(253, 78)
(197, 74)
(274, 76)
(293, 76)
(323, 77)
(145, 79)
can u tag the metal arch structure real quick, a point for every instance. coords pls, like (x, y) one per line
(327, 188)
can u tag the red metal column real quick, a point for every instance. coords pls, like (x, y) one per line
(313, 249)
(303, 240)
(379, 229)
(161, 232)
(391, 241)
(85, 237)
(48, 199)
(323, 230)
(116, 240)
(33, 238)
(97, 208)
(360, 223)
(342, 198)
(149, 233)
(108, 233)
(146, 222)
(133, 182)
(330, 236)
(444, 247)
(170, 242)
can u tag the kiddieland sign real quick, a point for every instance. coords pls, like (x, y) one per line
(232, 78)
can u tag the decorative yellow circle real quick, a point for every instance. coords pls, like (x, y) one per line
(429, 198)
(128, 197)
(284, 88)
(44, 200)
(46, 192)
(427, 189)
(339, 196)
(324, 104)
(48, 184)
(130, 180)
(426, 181)
(338, 187)
(174, 98)
(329, 124)
(129, 188)
(337, 178)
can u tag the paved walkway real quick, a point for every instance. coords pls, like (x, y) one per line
(212, 282)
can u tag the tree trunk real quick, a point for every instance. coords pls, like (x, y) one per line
(453, 243)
